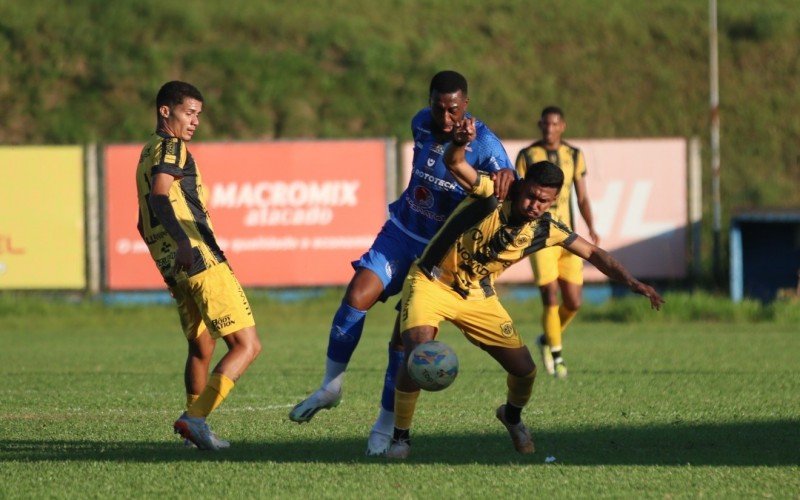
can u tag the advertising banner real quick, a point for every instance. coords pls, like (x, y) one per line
(292, 213)
(637, 188)
(42, 218)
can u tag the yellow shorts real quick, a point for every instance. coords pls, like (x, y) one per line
(213, 299)
(556, 262)
(484, 321)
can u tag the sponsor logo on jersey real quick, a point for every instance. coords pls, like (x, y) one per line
(423, 197)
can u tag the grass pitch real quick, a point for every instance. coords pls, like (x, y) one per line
(677, 409)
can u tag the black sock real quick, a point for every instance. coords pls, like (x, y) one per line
(557, 356)
(512, 414)
(401, 435)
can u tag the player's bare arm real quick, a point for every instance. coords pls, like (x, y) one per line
(455, 155)
(611, 267)
(159, 202)
(585, 208)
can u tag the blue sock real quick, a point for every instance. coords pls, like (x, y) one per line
(348, 323)
(395, 359)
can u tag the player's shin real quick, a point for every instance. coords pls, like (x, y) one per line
(552, 327)
(217, 389)
(565, 315)
(348, 323)
(396, 358)
(519, 393)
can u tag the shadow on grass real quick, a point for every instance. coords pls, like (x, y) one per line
(741, 444)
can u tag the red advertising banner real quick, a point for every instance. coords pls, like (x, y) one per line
(638, 191)
(292, 213)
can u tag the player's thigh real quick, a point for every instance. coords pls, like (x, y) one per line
(221, 300)
(189, 313)
(390, 258)
(425, 302)
(487, 323)
(570, 267)
(545, 265)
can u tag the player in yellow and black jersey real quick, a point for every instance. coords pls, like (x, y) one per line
(176, 226)
(554, 268)
(453, 280)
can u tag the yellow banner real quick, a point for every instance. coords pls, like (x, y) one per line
(42, 218)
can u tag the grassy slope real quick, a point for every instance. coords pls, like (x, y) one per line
(88, 70)
(684, 409)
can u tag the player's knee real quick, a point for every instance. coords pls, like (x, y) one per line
(360, 298)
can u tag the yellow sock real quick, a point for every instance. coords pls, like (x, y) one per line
(565, 315)
(552, 327)
(520, 388)
(404, 405)
(190, 398)
(212, 396)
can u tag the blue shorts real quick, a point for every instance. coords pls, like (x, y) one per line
(390, 257)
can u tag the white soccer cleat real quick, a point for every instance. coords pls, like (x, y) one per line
(305, 410)
(196, 430)
(378, 443)
(399, 450)
(547, 356)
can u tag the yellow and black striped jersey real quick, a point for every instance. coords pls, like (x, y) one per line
(477, 242)
(169, 155)
(569, 159)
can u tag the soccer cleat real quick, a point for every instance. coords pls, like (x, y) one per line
(305, 410)
(520, 435)
(560, 370)
(222, 443)
(196, 430)
(547, 356)
(378, 443)
(400, 449)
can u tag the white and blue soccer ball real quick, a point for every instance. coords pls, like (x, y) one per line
(433, 365)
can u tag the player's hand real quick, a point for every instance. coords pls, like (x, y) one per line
(183, 257)
(648, 291)
(595, 237)
(464, 132)
(502, 182)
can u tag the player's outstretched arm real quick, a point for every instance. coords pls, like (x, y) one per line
(455, 157)
(611, 267)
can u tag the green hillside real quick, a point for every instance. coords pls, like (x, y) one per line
(89, 69)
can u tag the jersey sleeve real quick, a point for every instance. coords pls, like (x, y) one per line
(169, 157)
(560, 233)
(580, 165)
(521, 164)
(492, 156)
(484, 188)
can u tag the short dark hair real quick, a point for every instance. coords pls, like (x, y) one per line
(545, 174)
(174, 92)
(552, 110)
(448, 82)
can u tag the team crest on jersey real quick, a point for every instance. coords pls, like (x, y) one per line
(522, 240)
(507, 329)
(423, 197)
(438, 149)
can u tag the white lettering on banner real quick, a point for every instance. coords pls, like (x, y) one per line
(292, 243)
(124, 246)
(634, 225)
(605, 208)
(608, 209)
(313, 216)
(285, 194)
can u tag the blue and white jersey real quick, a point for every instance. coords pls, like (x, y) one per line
(432, 192)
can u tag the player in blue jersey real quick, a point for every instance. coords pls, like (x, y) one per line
(414, 218)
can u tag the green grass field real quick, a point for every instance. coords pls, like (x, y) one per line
(651, 409)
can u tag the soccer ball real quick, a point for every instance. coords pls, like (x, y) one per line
(433, 365)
